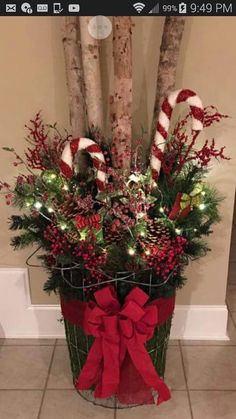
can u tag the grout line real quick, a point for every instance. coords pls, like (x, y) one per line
(25, 346)
(46, 382)
(226, 345)
(22, 389)
(185, 377)
(213, 389)
(183, 390)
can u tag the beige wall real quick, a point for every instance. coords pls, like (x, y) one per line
(33, 77)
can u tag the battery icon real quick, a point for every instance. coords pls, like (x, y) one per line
(182, 8)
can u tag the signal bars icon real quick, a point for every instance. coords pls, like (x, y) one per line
(139, 7)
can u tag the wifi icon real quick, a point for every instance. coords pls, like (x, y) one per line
(139, 7)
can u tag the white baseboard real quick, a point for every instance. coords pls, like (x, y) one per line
(21, 319)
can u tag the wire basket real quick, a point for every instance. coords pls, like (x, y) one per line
(79, 344)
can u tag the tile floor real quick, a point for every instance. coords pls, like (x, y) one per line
(35, 381)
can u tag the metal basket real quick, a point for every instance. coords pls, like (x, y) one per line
(79, 344)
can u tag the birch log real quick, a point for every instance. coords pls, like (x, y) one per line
(169, 53)
(92, 76)
(74, 74)
(122, 100)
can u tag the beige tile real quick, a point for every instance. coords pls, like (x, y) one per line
(231, 331)
(26, 342)
(213, 404)
(19, 404)
(61, 375)
(68, 404)
(24, 367)
(176, 408)
(174, 375)
(210, 367)
(61, 342)
(173, 342)
(231, 297)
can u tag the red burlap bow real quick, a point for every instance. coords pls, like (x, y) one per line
(120, 335)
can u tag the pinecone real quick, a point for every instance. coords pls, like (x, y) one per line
(156, 232)
(69, 208)
(73, 236)
(112, 237)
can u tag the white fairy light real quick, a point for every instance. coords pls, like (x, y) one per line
(38, 205)
(83, 235)
(161, 209)
(140, 215)
(178, 231)
(147, 252)
(63, 226)
(203, 193)
(131, 251)
(50, 209)
(65, 187)
(202, 207)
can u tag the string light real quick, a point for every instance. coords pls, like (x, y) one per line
(63, 226)
(203, 193)
(195, 230)
(178, 231)
(202, 207)
(140, 215)
(147, 252)
(38, 205)
(65, 187)
(131, 251)
(142, 233)
(50, 209)
(28, 204)
(83, 235)
(161, 209)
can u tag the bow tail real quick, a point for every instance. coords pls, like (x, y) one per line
(91, 370)
(110, 378)
(144, 365)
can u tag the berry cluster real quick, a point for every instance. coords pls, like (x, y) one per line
(91, 260)
(166, 256)
(44, 149)
(59, 244)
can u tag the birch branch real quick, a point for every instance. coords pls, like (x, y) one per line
(122, 100)
(74, 75)
(92, 76)
(169, 54)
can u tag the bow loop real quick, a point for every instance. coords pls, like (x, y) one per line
(132, 311)
(106, 298)
(137, 295)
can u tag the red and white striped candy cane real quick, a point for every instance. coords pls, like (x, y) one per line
(195, 103)
(93, 149)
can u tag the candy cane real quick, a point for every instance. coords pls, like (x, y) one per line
(93, 149)
(195, 103)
